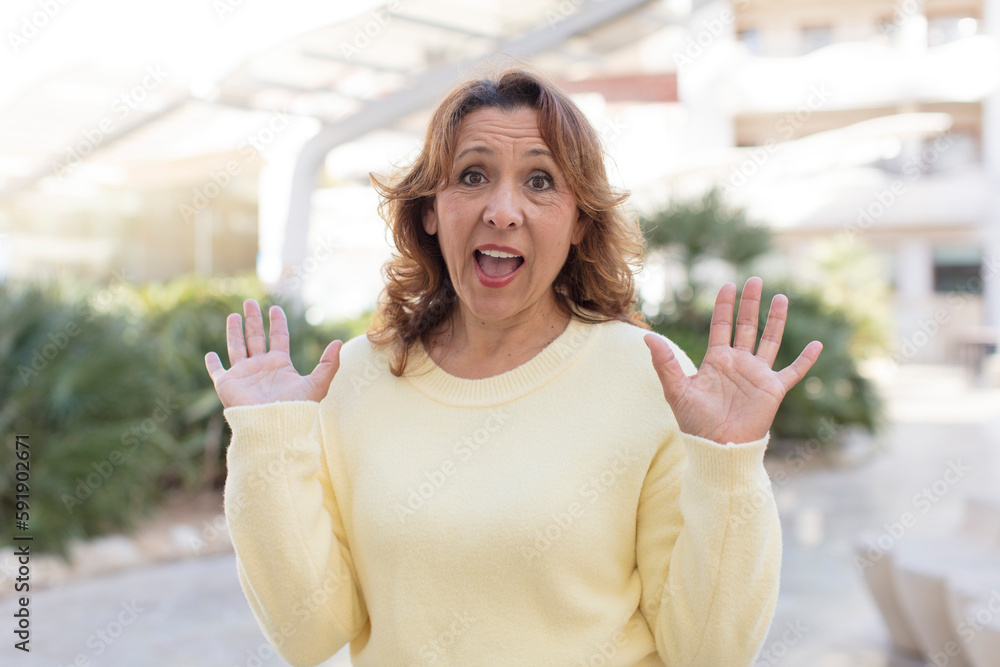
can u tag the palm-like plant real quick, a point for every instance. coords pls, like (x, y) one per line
(696, 232)
(79, 382)
(116, 398)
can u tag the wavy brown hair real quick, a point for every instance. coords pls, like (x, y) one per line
(595, 284)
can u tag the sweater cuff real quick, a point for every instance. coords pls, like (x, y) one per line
(259, 427)
(729, 467)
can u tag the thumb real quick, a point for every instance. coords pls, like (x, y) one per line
(329, 363)
(667, 367)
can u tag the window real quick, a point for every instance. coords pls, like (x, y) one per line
(750, 38)
(958, 269)
(885, 27)
(816, 38)
(933, 155)
(944, 29)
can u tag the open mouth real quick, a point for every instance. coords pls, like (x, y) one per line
(497, 263)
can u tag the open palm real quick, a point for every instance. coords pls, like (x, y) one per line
(258, 376)
(735, 394)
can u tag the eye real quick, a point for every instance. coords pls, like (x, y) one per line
(540, 181)
(472, 177)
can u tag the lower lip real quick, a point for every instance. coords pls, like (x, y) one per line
(489, 281)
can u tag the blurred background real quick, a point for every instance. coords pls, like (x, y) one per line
(161, 162)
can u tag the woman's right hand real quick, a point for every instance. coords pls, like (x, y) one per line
(259, 376)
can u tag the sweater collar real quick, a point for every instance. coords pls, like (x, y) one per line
(431, 380)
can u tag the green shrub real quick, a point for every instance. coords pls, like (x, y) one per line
(124, 410)
(834, 391)
(696, 233)
(187, 318)
(78, 381)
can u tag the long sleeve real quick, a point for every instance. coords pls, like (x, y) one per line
(709, 571)
(292, 557)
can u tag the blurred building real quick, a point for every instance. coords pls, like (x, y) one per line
(892, 116)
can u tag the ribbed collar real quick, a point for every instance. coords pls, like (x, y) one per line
(436, 383)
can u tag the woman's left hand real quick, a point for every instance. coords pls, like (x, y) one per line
(734, 395)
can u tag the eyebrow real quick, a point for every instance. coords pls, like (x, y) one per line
(486, 150)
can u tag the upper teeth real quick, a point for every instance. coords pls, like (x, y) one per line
(498, 253)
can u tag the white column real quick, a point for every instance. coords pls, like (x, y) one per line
(915, 287)
(915, 270)
(285, 188)
(704, 60)
(204, 230)
(991, 163)
(781, 38)
(911, 29)
(6, 252)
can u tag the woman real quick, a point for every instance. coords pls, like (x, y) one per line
(501, 472)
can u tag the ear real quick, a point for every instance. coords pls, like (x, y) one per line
(579, 228)
(430, 218)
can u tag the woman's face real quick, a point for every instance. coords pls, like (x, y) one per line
(504, 196)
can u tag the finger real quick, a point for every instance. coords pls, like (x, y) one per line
(255, 327)
(329, 363)
(791, 375)
(721, 331)
(667, 367)
(770, 341)
(746, 320)
(279, 329)
(234, 339)
(214, 366)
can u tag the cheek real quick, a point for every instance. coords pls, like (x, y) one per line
(456, 216)
(453, 239)
(570, 225)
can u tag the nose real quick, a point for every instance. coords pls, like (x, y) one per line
(504, 209)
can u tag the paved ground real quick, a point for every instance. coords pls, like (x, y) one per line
(192, 613)
(938, 419)
(185, 614)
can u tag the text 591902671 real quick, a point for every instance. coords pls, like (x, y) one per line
(22, 509)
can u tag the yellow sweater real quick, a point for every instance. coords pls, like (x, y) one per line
(551, 515)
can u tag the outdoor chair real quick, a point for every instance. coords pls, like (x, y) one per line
(974, 610)
(910, 582)
(920, 570)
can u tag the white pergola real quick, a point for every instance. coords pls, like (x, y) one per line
(87, 123)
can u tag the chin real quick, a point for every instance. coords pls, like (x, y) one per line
(494, 307)
(492, 312)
